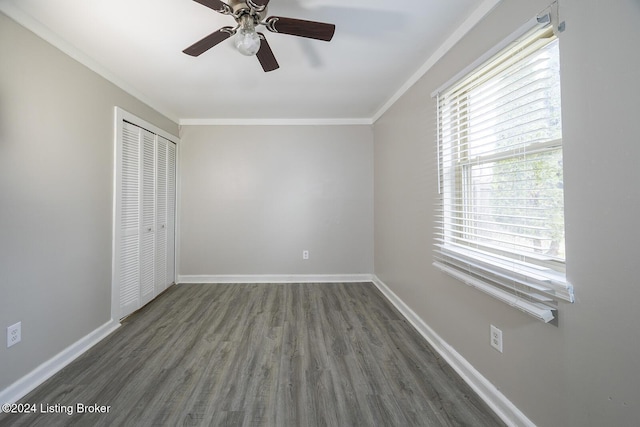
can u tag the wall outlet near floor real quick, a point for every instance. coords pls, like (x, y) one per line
(496, 338)
(305, 254)
(14, 334)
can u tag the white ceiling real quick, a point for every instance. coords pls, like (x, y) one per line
(378, 46)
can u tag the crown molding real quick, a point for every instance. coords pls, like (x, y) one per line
(70, 50)
(275, 122)
(478, 15)
(45, 33)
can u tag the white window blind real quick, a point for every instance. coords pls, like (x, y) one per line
(500, 221)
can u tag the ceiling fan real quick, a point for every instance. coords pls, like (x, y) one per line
(248, 15)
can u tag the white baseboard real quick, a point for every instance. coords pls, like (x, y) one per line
(502, 406)
(29, 382)
(506, 410)
(277, 278)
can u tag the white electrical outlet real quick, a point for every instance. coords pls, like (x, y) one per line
(496, 338)
(305, 254)
(14, 334)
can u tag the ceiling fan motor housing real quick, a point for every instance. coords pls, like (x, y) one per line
(241, 8)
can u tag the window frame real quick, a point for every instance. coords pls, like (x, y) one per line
(459, 174)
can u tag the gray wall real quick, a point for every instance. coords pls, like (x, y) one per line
(56, 191)
(241, 213)
(586, 371)
(252, 198)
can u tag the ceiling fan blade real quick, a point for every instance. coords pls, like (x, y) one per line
(200, 47)
(259, 5)
(265, 55)
(301, 28)
(217, 5)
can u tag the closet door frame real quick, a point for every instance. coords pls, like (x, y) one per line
(120, 117)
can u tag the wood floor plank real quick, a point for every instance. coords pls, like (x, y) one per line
(262, 355)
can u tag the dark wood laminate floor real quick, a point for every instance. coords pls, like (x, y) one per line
(262, 355)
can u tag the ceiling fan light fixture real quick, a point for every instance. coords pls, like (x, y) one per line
(250, 14)
(247, 41)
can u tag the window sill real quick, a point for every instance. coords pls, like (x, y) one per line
(538, 311)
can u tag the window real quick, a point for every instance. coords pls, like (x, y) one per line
(501, 213)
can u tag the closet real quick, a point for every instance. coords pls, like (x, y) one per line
(144, 226)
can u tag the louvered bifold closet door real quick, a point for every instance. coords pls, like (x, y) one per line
(147, 258)
(171, 213)
(129, 233)
(161, 216)
(144, 224)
